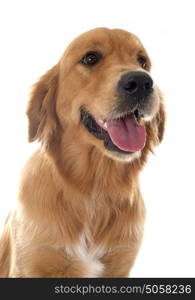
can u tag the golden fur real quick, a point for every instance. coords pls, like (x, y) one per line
(80, 211)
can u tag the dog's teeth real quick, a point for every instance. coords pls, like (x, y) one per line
(105, 124)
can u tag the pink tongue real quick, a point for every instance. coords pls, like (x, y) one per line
(126, 134)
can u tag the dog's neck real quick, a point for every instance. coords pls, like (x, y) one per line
(91, 171)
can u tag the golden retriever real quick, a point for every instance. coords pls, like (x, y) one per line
(97, 114)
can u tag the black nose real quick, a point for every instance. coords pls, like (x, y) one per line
(136, 84)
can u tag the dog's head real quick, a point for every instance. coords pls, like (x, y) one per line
(102, 88)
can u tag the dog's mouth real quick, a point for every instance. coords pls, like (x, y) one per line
(122, 133)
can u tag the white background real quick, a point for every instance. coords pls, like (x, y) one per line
(34, 35)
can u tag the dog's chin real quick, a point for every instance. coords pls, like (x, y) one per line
(109, 148)
(122, 157)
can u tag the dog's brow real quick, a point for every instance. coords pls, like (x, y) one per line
(95, 46)
(101, 44)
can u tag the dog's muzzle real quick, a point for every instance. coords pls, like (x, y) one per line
(122, 131)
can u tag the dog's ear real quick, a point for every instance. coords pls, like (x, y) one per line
(160, 123)
(41, 110)
(155, 128)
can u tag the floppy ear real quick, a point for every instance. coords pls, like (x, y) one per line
(160, 123)
(41, 110)
(155, 128)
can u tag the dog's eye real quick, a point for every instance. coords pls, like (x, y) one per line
(91, 58)
(142, 61)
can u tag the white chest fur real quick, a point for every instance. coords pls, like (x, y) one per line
(89, 256)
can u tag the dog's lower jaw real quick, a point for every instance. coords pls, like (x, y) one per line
(91, 125)
(122, 157)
